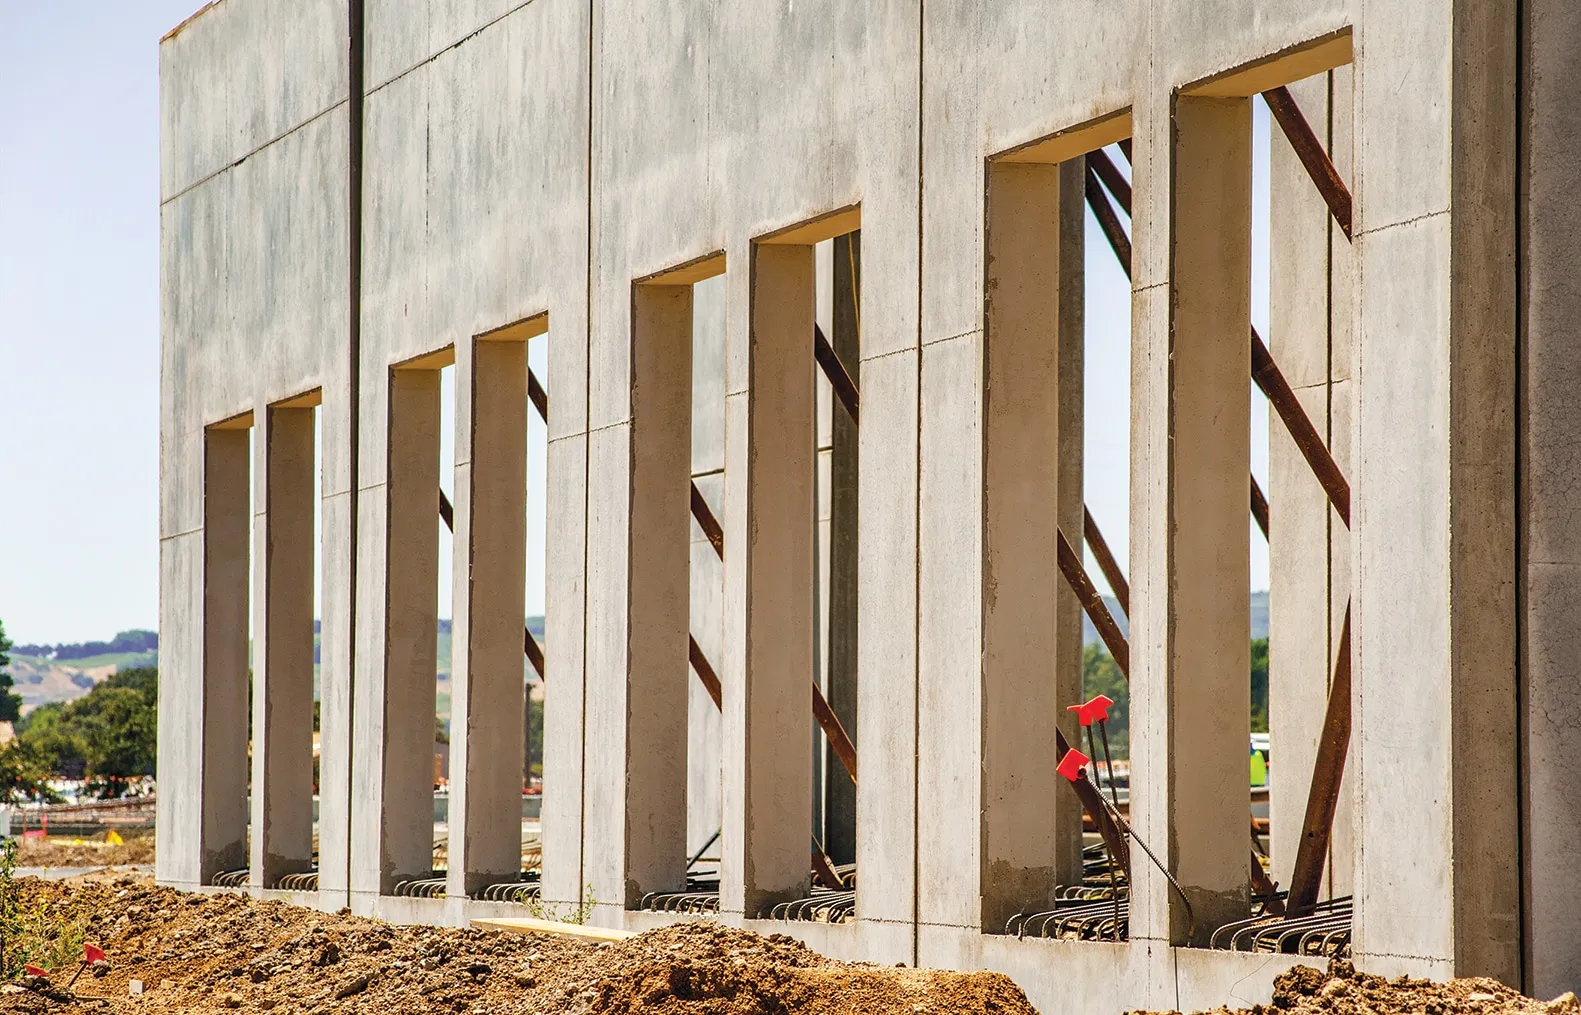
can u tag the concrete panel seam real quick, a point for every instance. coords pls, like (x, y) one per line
(906, 351)
(928, 342)
(1412, 220)
(194, 185)
(436, 54)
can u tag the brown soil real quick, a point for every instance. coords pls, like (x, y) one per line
(231, 953)
(60, 852)
(1343, 991)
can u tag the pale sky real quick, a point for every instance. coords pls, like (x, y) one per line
(79, 326)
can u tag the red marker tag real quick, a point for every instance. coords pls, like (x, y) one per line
(1096, 710)
(92, 953)
(1071, 764)
(32, 970)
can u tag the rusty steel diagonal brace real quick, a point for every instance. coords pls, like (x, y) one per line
(1259, 507)
(1270, 380)
(839, 377)
(1092, 803)
(839, 740)
(833, 729)
(1313, 158)
(530, 644)
(1106, 562)
(1323, 797)
(1120, 649)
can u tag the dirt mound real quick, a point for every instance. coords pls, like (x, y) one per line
(1344, 991)
(705, 969)
(231, 953)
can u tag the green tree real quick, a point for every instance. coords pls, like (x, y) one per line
(10, 703)
(1100, 674)
(110, 735)
(1259, 704)
(25, 774)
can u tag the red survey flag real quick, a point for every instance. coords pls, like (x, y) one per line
(1071, 764)
(1096, 710)
(33, 970)
(92, 953)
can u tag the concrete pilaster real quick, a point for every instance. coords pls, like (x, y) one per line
(404, 698)
(335, 640)
(657, 675)
(487, 725)
(769, 513)
(1551, 534)
(1207, 681)
(282, 701)
(226, 528)
(1026, 849)
(1434, 738)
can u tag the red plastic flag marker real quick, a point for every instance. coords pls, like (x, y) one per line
(33, 970)
(92, 953)
(1072, 763)
(1096, 710)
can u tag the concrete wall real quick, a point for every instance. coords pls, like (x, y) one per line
(543, 168)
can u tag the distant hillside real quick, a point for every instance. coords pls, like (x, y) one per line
(1259, 619)
(46, 673)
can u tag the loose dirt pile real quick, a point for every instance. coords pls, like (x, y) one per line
(1343, 991)
(59, 852)
(229, 953)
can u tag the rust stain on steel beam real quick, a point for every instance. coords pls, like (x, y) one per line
(705, 671)
(1071, 567)
(1323, 797)
(1273, 384)
(839, 377)
(1098, 201)
(1259, 507)
(1106, 562)
(447, 514)
(1310, 151)
(1118, 185)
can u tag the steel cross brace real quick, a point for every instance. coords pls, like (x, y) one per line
(1329, 766)
(1120, 649)
(1264, 370)
(838, 739)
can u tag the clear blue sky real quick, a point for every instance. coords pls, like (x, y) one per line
(79, 323)
(79, 315)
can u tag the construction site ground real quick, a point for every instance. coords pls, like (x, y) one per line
(227, 952)
(169, 951)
